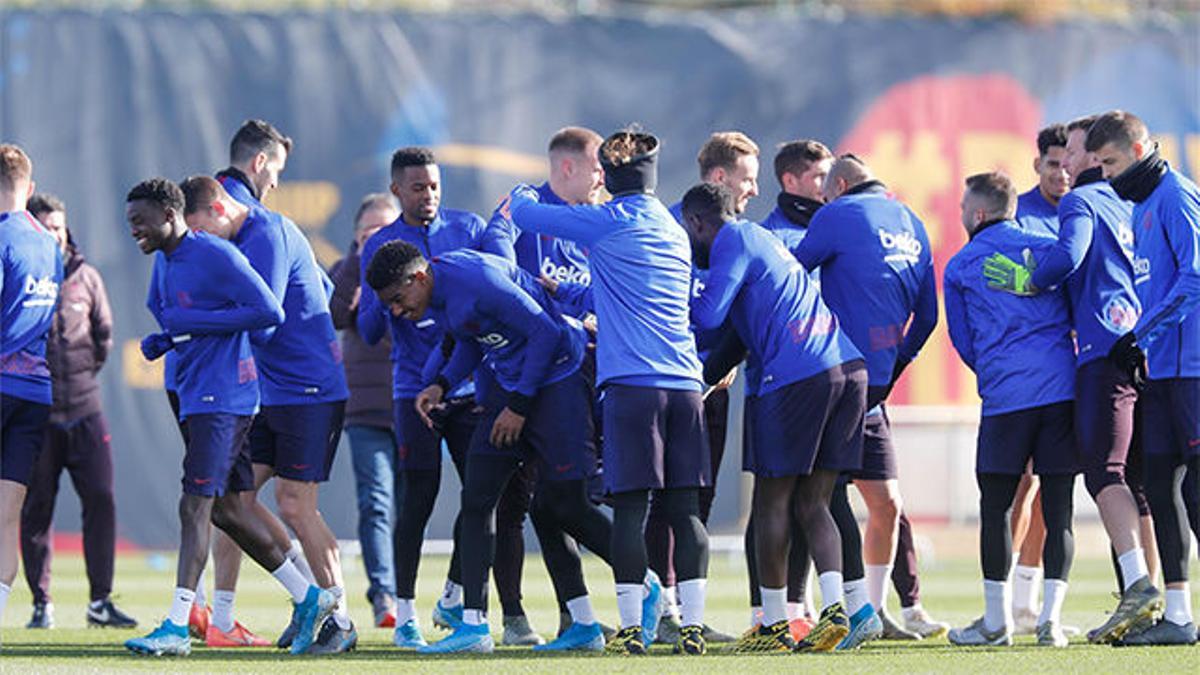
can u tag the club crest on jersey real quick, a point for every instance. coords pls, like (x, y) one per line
(900, 246)
(43, 291)
(565, 273)
(1119, 315)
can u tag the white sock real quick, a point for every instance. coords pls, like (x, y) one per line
(910, 613)
(1025, 592)
(831, 588)
(340, 614)
(296, 555)
(451, 594)
(293, 581)
(1179, 606)
(581, 610)
(5, 589)
(1133, 566)
(810, 603)
(877, 580)
(629, 604)
(774, 605)
(474, 617)
(855, 593)
(1055, 593)
(795, 610)
(670, 602)
(996, 608)
(691, 601)
(406, 610)
(181, 606)
(222, 611)
(756, 615)
(201, 599)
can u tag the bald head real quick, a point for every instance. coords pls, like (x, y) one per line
(207, 207)
(847, 171)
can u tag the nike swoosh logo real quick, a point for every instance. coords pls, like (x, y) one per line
(200, 481)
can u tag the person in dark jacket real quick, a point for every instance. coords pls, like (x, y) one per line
(76, 437)
(369, 413)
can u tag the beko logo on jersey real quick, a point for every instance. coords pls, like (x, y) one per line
(899, 246)
(565, 273)
(44, 291)
(492, 340)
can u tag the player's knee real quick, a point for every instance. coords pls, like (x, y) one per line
(1095, 480)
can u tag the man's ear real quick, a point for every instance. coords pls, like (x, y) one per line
(1037, 164)
(259, 161)
(1140, 148)
(32, 187)
(394, 189)
(218, 208)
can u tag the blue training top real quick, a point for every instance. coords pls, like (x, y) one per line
(31, 271)
(1036, 214)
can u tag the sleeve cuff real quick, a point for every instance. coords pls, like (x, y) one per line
(520, 403)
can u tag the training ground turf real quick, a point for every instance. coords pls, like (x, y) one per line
(952, 593)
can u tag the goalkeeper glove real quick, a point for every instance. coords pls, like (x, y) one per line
(1005, 274)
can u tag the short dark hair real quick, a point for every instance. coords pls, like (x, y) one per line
(199, 193)
(723, 149)
(411, 156)
(997, 191)
(161, 191)
(44, 202)
(1052, 136)
(393, 261)
(573, 139)
(255, 136)
(14, 166)
(711, 202)
(1118, 127)
(375, 200)
(1083, 123)
(796, 157)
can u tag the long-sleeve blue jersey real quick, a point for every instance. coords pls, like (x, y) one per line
(301, 360)
(775, 307)
(559, 259)
(1036, 214)
(413, 342)
(641, 265)
(209, 290)
(707, 339)
(790, 233)
(1094, 254)
(156, 303)
(1166, 229)
(498, 313)
(31, 271)
(876, 273)
(1019, 347)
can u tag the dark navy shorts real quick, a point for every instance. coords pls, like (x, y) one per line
(816, 423)
(419, 448)
(23, 425)
(1171, 418)
(298, 442)
(558, 433)
(1044, 434)
(1105, 399)
(879, 455)
(653, 439)
(217, 458)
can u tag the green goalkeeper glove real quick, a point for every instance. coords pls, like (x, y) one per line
(1005, 274)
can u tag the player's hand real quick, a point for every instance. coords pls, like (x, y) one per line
(505, 207)
(549, 284)
(356, 298)
(154, 346)
(429, 398)
(507, 428)
(1005, 274)
(1129, 358)
(727, 380)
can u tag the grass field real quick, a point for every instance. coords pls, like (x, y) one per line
(951, 589)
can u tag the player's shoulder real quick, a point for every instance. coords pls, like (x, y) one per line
(461, 218)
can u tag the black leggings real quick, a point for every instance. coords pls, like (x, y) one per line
(509, 561)
(562, 515)
(682, 507)
(1166, 478)
(847, 525)
(799, 563)
(996, 493)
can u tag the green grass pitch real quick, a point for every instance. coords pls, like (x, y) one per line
(951, 591)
